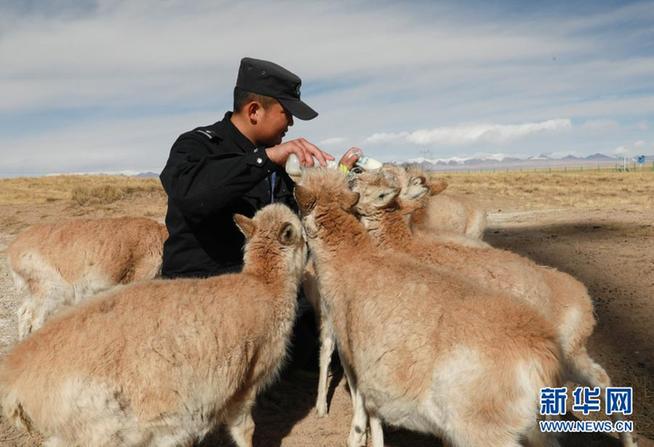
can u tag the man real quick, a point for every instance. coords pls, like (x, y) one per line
(234, 166)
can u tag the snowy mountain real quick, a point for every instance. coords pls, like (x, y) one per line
(501, 161)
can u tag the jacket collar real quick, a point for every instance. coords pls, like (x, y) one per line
(226, 130)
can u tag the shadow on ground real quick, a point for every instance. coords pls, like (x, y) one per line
(615, 260)
(291, 400)
(604, 258)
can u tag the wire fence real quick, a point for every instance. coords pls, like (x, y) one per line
(616, 167)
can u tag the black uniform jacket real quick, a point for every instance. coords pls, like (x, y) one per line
(213, 172)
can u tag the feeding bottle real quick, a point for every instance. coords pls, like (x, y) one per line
(294, 168)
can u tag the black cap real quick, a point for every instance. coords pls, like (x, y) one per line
(269, 79)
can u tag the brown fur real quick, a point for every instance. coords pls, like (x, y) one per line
(444, 212)
(63, 263)
(420, 342)
(162, 362)
(556, 295)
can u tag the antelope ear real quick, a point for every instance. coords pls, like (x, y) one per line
(418, 180)
(437, 187)
(305, 199)
(386, 196)
(245, 224)
(287, 234)
(351, 199)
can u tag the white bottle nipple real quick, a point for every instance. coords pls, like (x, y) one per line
(368, 164)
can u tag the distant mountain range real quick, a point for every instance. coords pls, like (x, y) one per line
(478, 162)
(128, 173)
(490, 161)
(147, 174)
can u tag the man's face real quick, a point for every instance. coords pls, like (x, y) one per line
(272, 124)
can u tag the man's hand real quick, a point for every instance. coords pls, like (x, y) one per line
(304, 150)
(350, 157)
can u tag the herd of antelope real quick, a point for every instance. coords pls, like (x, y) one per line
(437, 331)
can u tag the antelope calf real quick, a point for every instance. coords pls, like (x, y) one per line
(162, 362)
(61, 264)
(444, 213)
(423, 349)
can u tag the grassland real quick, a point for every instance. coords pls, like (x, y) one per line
(522, 190)
(82, 189)
(28, 200)
(560, 189)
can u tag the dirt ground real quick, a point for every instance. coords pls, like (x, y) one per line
(608, 247)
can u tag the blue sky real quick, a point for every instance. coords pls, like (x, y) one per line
(108, 85)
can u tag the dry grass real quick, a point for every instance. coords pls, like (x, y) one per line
(103, 194)
(26, 201)
(80, 189)
(507, 190)
(538, 190)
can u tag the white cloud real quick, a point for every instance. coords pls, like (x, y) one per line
(387, 137)
(332, 141)
(120, 49)
(639, 143)
(389, 68)
(471, 133)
